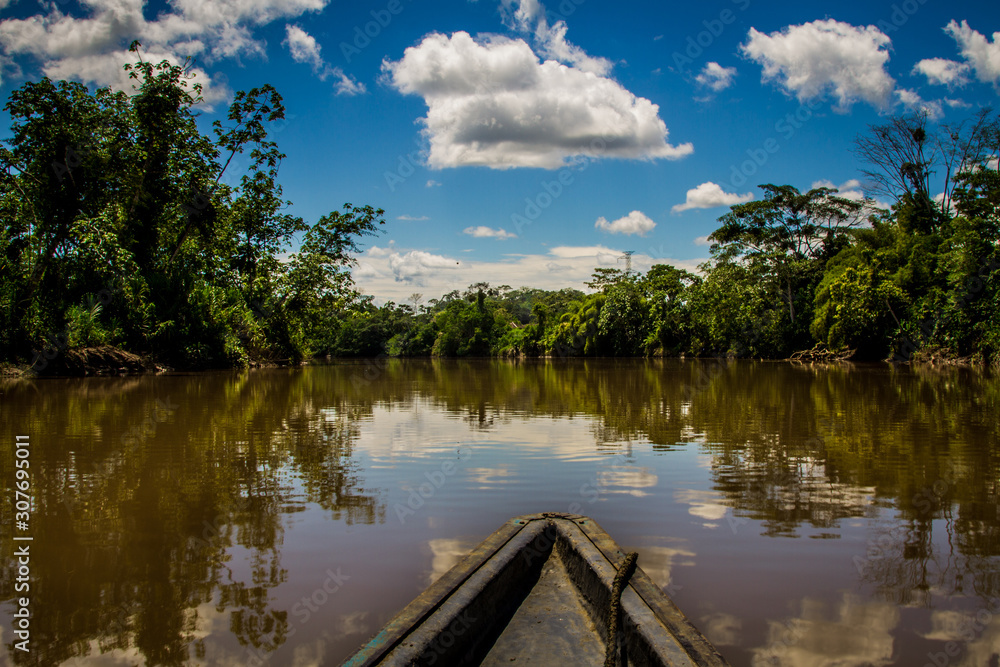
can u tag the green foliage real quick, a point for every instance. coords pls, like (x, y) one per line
(119, 199)
(417, 341)
(623, 319)
(578, 332)
(856, 309)
(669, 320)
(84, 328)
(735, 314)
(469, 329)
(120, 230)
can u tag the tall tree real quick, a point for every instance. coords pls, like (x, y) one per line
(791, 234)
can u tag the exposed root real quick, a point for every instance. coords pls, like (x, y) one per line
(939, 356)
(821, 354)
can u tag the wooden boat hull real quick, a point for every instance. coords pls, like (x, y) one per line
(538, 591)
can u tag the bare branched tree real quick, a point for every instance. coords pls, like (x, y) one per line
(904, 155)
(901, 157)
(965, 146)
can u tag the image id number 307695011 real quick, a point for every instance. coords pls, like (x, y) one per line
(21, 621)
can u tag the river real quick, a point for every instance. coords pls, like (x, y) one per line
(820, 516)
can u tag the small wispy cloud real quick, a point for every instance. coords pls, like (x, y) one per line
(304, 49)
(981, 55)
(716, 77)
(912, 101)
(482, 232)
(850, 189)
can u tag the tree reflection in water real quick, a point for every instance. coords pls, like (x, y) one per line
(133, 535)
(144, 543)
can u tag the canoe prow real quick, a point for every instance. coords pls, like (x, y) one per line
(539, 591)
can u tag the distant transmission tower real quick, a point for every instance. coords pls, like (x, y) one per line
(628, 261)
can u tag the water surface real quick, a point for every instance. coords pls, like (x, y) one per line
(799, 516)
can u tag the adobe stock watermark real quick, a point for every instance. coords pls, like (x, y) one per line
(159, 413)
(565, 9)
(970, 630)
(74, 156)
(785, 128)
(363, 35)
(372, 371)
(551, 189)
(696, 44)
(973, 285)
(901, 13)
(784, 636)
(592, 490)
(786, 477)
(441, 643)
(427, 490)
(303, 610)
(407, 164)
(926, 502)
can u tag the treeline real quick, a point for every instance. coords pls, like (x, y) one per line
(124, 226)
(790, 272)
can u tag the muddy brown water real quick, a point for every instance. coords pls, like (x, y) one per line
(843, 515)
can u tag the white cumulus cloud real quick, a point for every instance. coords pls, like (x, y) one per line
(852, 189)
(939, 198)
(826, 56)
(376, 251)
(494, 103)
(415, 265)
(710, 195)
(982, 54)
(716, 77)
(522, 14)
(943, 71)
(93, 47)
(635, 222)
(482, 232)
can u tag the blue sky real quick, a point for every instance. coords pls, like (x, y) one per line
(525, 142)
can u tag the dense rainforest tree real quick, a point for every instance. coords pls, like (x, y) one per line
(782, 242)
(118, 228)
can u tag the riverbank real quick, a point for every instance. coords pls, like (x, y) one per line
(109, 360)
(81, 362)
